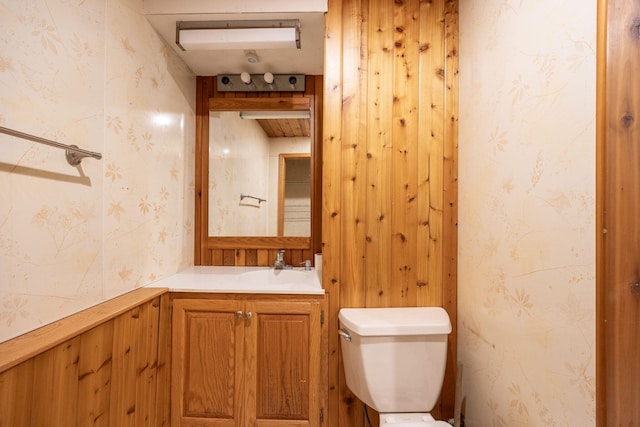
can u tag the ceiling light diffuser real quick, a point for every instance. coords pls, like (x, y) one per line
(225, 35)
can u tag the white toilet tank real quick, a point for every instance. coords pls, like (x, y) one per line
(395, 359)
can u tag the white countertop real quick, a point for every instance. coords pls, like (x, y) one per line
(254, 280)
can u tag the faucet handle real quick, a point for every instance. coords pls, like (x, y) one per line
(307, 264)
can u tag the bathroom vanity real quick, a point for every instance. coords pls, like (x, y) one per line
(249, 347)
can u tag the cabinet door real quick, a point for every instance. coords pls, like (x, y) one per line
(207, 363)
(283, 364)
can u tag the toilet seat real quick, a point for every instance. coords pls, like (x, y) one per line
(411, 420)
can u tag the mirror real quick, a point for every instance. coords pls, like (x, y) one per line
(231, 248)
(259, 180)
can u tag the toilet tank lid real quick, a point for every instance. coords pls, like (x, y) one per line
(395, 321)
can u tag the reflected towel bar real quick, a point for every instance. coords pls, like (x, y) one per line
(244, 196)
(73, 154)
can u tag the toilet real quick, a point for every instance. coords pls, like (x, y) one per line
(394, 361)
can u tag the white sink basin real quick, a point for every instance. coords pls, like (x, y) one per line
(243, 280)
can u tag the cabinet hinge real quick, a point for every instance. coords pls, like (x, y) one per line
(322, 317)
(321, 415)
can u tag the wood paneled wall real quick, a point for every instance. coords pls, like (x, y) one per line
(254, 251)
(390, 168)
(104, 376)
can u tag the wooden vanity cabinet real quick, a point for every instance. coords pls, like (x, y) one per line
(247, 362)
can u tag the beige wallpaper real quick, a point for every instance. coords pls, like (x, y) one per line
(238, 164)
(527, 212)
(91, 73)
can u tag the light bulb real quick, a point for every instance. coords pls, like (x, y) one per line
(268, 78)
(245, 77)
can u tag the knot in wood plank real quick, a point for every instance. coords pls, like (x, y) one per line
(635, 29)
(627, 120)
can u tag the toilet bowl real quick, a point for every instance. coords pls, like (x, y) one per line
(394, 360)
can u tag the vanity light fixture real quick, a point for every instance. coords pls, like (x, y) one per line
(224, 35)
(266, 82)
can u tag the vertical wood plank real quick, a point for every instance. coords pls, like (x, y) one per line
(332, 194)
(296, 257)
(251, 257)
(379, 147)
(241, 257)
(621, 198)
(263, 257)
(204, 87)
(16, 389)
(163, 394)
(404, 155)
(450, 203)
(146, 362)
(316, 165)
(431, 152)
(601, 287)
(134, 366)
(179, 325)
(228, 257)
(94, 376)
(353, 152)
(123, 381)
(55, 379)
(217, 257)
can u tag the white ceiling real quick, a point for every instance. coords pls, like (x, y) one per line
(309, 59)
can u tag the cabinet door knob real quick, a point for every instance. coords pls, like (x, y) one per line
(248, 315)
(239, 314)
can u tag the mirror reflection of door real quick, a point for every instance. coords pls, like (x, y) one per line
(294, 194)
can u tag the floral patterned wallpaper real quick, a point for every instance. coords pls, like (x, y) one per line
(91, 73)
(526, 313)
(238, 164)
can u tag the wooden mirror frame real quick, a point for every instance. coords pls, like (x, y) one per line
(209, 99)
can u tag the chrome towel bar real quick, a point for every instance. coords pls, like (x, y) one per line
(73, 154)
(246, 196)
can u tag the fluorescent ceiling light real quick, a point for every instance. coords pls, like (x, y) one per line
(275, 114)
(224, 35)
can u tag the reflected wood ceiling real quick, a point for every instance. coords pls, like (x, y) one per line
(285, 127)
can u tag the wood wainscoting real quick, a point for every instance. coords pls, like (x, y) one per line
(99, 367)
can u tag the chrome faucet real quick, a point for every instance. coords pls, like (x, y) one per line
(279, 264)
